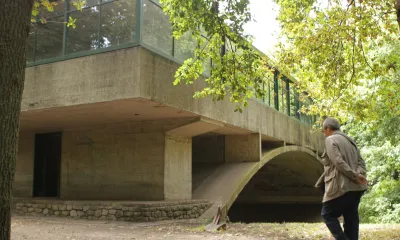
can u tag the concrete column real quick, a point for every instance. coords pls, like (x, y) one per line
(178, 167)
(243, 148)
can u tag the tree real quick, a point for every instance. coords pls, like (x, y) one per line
(381, 151)
(238, 70)
(346, 56)
(332, 48)
(15, 18)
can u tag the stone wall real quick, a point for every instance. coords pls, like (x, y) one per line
(115, 211)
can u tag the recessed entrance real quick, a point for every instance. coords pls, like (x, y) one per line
(47, 165)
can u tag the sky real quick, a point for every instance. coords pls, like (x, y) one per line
(265, 27)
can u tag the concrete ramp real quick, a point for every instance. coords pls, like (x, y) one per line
(223, 186)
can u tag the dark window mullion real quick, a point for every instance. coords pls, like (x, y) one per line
(287, 96)
(66, 14)
(99, 24)
(276, 92)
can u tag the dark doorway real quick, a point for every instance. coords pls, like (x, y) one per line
(47, 166)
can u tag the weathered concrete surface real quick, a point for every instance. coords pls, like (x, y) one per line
(138, 73)
(243, 148)
(157, 75)
(208, 152)
(178, 167)
(225, 184)
(288, 178)
(122, 161)
(100, 113)
(23, 179)
(97, 78)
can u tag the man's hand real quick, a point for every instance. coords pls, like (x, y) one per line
(361, 179)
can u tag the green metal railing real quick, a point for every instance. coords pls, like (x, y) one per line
(108, 25)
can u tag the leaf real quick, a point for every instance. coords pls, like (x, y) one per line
(71, 22)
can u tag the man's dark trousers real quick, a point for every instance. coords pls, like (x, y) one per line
(346, 205)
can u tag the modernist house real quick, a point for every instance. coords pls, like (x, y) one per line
(101, 120)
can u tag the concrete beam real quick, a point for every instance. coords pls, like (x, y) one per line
(243, 148)
(178, 158)
(196, 128)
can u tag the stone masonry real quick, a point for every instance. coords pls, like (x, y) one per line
(114, 211)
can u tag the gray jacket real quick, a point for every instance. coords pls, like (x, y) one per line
(342, 162)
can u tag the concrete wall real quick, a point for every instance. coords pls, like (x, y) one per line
(209, 148)
(139, 73)
(243, 148)
(121, 162)
(97, 78)
(208, 152)
(157, 76)
(23, 179)
(178, 168)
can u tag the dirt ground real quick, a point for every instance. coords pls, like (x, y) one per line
(46, 228)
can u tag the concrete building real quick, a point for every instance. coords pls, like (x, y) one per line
(103, 128)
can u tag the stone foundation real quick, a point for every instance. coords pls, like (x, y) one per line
(115, 211)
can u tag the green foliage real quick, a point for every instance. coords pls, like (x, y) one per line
(40, 6)
(382, 203)
(381, 151)
(238, 71)
(334, 49)
(346, 55)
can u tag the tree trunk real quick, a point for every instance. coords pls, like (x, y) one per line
(397, 7)
(14, 27)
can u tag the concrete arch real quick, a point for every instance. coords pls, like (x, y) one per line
(225, 184)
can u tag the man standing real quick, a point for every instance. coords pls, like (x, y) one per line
(345, 181)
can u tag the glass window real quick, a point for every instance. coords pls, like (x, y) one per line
(58, 9)
(184, 47)
(304, 102)
(293, 101)
(157, 31)
(49, 38)
(268, 87)
(271, 91)
(88, 3)
(207, 66)
(85, 36)
(118, 23)
(30, 43)
(282, 96)
(229, 45)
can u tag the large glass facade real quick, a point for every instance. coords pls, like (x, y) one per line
(184, 47)
(85, 36)
(105, 25)
(157, 30)
(101, 24)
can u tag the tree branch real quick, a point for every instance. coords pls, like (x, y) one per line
(397, 7)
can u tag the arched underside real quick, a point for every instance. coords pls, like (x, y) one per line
(294, 163)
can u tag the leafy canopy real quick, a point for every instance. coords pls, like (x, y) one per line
(344, 54)
(238, 70)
